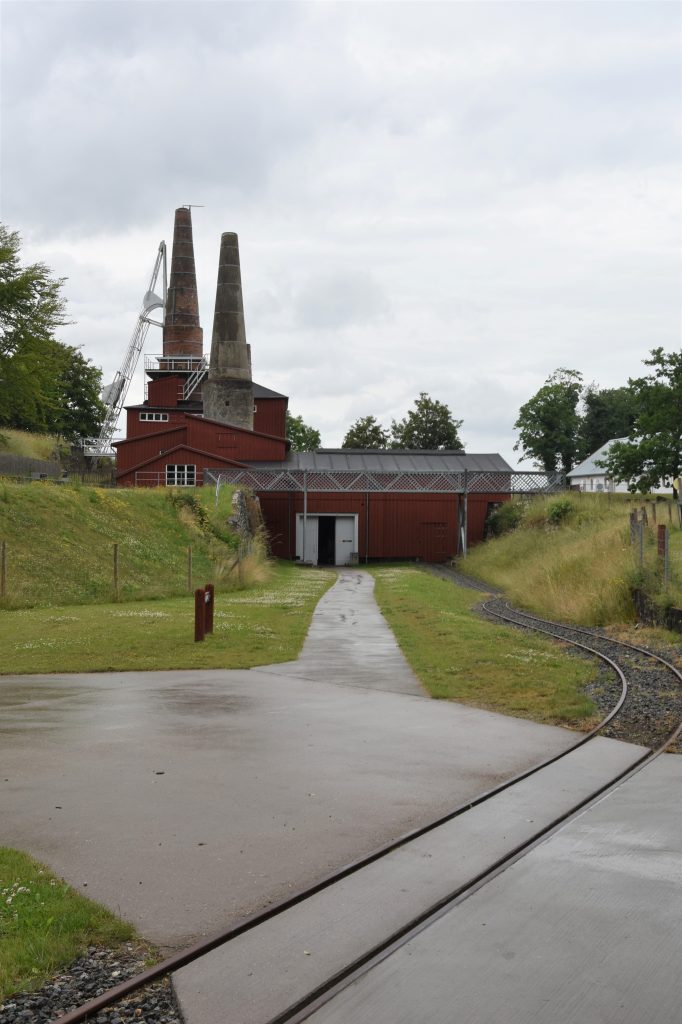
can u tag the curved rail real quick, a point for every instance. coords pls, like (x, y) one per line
(194, 952)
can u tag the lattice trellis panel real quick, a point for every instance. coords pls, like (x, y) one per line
(397, 481)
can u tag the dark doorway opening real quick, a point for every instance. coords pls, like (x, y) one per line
(326, 541)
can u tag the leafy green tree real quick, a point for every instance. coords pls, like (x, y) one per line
(548, 422)
(45, 386)
(80, 411)
(303, 438)
(653, 453)
(606, 414)
(366, 433)
(429, 426)
(31, 303)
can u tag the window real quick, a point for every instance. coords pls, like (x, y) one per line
(181, 476)
(157, 417)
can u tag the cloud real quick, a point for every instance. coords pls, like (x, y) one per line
(455, 198)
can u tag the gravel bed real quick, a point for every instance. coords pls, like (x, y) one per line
(89, 976)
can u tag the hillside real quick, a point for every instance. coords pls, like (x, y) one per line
(60, 542)
(570, 558)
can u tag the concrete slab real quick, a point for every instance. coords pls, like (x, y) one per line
(262, 972)
(185, 800)
(584, 930)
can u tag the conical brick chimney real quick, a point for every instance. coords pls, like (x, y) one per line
(182, 335)
(228, 391)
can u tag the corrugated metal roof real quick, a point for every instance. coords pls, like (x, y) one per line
(589, 467)
(386, 461)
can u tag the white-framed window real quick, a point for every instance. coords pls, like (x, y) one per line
(156, 417)
(181, 476)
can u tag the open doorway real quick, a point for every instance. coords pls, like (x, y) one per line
(326, 550)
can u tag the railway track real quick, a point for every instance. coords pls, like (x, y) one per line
(380, 878)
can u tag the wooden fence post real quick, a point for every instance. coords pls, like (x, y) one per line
(3, 569)
(189, 568)
(199, 614)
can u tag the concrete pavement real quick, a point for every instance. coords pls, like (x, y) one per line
(185, 800)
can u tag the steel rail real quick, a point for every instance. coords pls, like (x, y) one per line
(184, 957)
(305, 1007)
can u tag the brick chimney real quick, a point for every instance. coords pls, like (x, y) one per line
(228, 391)
(182, 335)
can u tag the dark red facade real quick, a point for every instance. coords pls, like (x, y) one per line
(389, 526)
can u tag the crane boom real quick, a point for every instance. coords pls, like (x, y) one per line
(114, 394)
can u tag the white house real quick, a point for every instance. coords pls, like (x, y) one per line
(588, 476)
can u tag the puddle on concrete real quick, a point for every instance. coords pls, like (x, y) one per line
(200, 701)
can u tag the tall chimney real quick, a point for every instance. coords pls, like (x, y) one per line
(228, 390)
(182, 335)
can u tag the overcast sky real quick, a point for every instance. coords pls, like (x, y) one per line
(455, 198)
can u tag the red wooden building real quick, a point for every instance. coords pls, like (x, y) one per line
(203, 421)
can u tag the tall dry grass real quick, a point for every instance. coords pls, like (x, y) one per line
(580, 570)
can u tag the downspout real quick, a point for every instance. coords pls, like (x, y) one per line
(465, 518)
(367, 528)
(305, 512)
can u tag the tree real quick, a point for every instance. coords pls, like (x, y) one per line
(47, 387)
(31, 303)
(606, 414)
(80, 410)
(653, 453)
(366, 433)
(548, 422)
(429, 426)
(303, 438)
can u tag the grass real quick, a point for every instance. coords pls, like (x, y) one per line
(44, 924)
(579, 569)
(32, 446)
(459, 656)
(60, 542)
(262, 625)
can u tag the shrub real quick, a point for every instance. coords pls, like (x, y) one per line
(505, 518)
(559, 510)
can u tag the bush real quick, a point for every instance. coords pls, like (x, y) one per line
(558, 510)
(505, 518)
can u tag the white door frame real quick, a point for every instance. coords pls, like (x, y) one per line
(306, 517)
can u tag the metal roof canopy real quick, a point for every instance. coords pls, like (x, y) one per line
(386, 481)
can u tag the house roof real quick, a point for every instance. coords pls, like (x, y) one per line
(390, 460)
(260, 392)
(589, 466)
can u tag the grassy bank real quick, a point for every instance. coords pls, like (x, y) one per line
(32, 446)
(459, 656)
(60, 542)
(262, 625)
(44, 924)
(570, 558)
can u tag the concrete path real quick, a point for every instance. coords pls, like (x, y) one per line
(185, 800)
(350, 643)
(584, 930)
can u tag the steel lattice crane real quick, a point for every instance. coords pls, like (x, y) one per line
(114, 394)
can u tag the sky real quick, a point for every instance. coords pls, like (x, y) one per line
(455, 198)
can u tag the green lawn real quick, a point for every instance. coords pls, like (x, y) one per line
(459, 656)
(44, 924)
(259, 626)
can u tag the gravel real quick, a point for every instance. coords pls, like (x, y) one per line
(89, 976)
